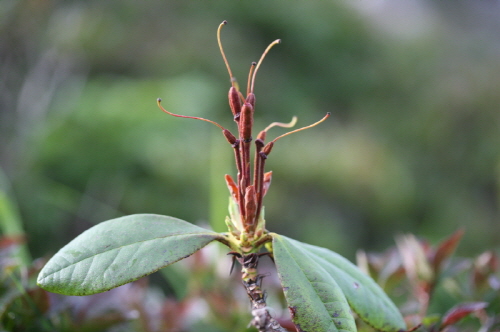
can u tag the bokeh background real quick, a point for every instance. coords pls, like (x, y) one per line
(412, 144)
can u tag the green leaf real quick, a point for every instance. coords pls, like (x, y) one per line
(314, 299)
(365, 297)
(119, 251)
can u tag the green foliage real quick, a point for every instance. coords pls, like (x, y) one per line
(120, 251)
(463, 287)
(362, 293)
(438, 292)
(137, 306)
(123, 250)
(314, 298)
(11, 226)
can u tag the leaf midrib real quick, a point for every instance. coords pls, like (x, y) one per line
(120, 247)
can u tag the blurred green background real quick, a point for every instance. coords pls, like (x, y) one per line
(412, 144)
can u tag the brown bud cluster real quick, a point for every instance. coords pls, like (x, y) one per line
(247, 190)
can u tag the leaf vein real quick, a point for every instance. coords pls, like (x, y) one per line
(121, 247)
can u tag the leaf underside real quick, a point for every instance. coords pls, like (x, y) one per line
(314, 299)
(364, 296)
(119, 251)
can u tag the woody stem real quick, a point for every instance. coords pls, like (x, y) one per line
(262, 319)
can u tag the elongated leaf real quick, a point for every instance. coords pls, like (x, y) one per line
(119, 251)
(461, 310)
(365, 297)
(314, 299)
(446, 249)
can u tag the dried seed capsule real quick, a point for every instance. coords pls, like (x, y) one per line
(230, 137)
(262, 136)
(246, 122)
(250, 99)
(266, 150)
(235, 103)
